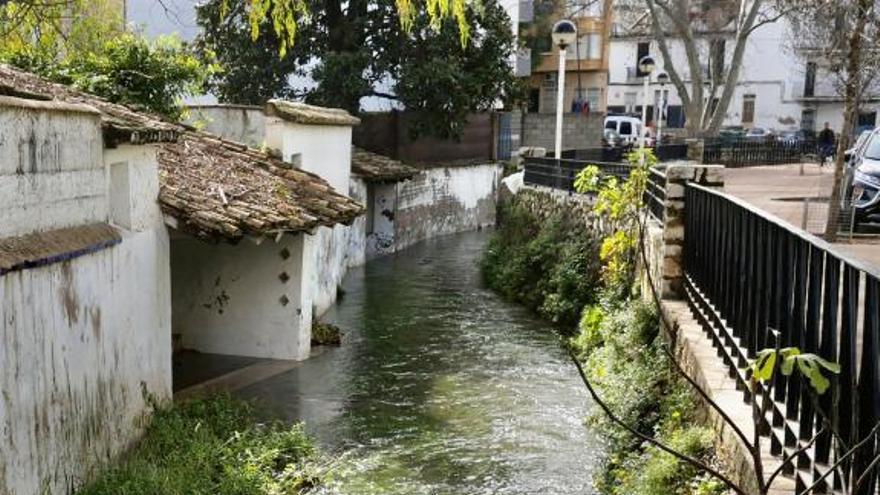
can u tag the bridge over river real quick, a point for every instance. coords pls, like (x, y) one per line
(440, 387)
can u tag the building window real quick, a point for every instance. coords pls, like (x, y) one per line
(674, 117)
(808, 120)
(810, 80)
(748, 115)
(548, 93)
(534, 100)
(589, 47)
(595, 46)
(594, 96)
(629, 102)
(642, 51)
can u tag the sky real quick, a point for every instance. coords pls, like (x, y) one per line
(180, 17)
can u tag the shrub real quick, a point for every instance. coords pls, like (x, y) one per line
(212, 446)
(550, 266)
(620, 344)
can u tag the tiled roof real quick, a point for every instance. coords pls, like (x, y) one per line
(215, 189)
(120, 123)
(219, 189)
(374, 167)
(302, 113)
(43, 248)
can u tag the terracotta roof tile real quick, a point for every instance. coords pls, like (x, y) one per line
(374, 167)
(215, 189)
(43, 248)
(120, 123)
(221, 189)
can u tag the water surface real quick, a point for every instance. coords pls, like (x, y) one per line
(440, 387)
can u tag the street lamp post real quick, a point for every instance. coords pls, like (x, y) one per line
(564, 34)
(646, 67)
(662, 78)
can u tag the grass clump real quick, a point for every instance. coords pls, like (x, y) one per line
(551, 266)
(619, 344)
(212, 446)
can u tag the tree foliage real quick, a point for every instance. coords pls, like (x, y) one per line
(351, 50)
(286, 16)
(83, 44)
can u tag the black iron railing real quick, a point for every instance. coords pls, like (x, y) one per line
(655, 193)
(665, 152)
(742, 153)
(561, 174)
(747, 271)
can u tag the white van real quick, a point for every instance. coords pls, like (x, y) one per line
(626, 127)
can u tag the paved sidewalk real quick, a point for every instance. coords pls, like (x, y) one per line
(801, 200)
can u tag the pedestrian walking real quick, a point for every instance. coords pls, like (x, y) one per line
(826, 144)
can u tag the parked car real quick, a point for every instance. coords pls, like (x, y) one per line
(856, 148)
(793, 137)
(626, 127)
(759, 134)
(731, 133)
(863, 179)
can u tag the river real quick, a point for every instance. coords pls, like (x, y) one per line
(440, 386)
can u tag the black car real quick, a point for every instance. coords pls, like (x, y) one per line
(864, 181)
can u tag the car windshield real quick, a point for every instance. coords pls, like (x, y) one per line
(611, 124)
(872, 148)
(625, 128)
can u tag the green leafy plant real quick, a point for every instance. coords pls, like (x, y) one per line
(620, 203)
(125, 68)
(787, 360)
(212, 446)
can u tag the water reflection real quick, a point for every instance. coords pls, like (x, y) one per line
(440, 387)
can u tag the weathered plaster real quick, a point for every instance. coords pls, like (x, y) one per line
(245, 299)
(445, 200)
(82, 339)
(242, 123)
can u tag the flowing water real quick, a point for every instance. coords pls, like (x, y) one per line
(440, 387)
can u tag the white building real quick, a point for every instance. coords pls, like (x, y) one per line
(778, 88)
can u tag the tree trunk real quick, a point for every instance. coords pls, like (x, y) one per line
(850, 102)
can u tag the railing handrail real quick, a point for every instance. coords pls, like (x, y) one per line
(796, 231)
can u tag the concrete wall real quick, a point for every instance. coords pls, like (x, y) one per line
(245, 299)
(578, 131)
(242, 123)
(445, 200)
(80, 338)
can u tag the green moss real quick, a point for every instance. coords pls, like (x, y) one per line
(212, 446)
(550, 265)
(325, 334)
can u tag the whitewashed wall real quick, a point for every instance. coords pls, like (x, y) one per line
(357, 239)
(446, 200)
(242, 123)
(381, 211)
(80, 338)
(326, 151)
(244, 299)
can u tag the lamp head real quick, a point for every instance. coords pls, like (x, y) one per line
(647, 64)
(662, 78)
(564, 33)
